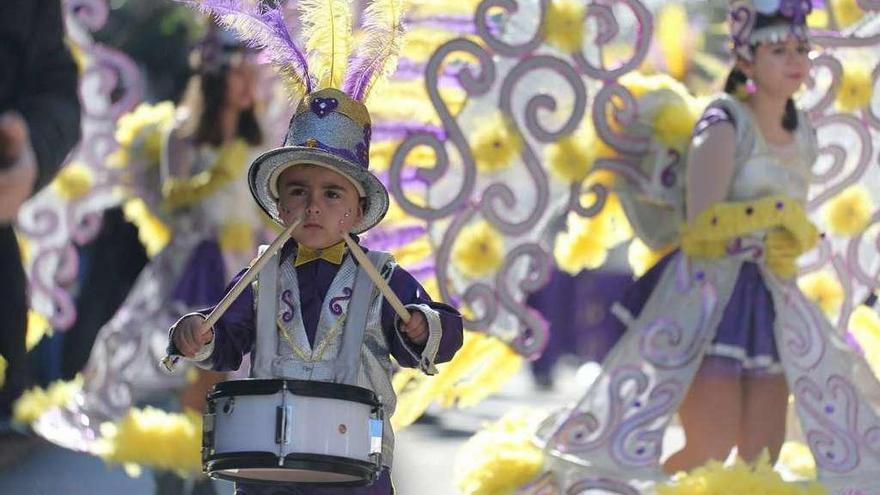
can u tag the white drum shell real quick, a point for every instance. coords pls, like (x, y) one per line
(314, 425)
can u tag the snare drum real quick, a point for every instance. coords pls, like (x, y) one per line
(292, 431)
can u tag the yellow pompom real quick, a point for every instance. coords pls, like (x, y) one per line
(864, 325)
(824, 290)
(563, 25)
(846, 12)
(152, 232)
(849, 212)
(140, 131)
(478, 251)
(500, 458)
(3, 365)
(855, 90)
(73, 181)
(154, 438)
(495, 144)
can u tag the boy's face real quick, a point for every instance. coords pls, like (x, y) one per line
(328, 202)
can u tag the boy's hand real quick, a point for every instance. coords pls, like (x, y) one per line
(416, 330)
(190, 334)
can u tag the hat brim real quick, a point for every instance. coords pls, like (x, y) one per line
(262, 169)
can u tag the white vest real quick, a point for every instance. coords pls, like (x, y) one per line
(349, 345)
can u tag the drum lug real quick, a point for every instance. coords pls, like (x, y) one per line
(282, 425)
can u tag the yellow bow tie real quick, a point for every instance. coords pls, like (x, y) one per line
(333, 254)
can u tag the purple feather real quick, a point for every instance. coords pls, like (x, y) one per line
(377, 55)
(262, 28)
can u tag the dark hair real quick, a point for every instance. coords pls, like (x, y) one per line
(737, 78)
(205, 96)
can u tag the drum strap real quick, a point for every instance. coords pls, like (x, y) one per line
(266, 315)
(348, 361)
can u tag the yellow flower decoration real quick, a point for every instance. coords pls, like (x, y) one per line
(571, 158)
(501, 457)
(823, 289)
(495, 144)
(73, 181)
(479, 250)
(582, 245)
(673, 123)
(855, 90)
(563, 25)
(864, 325)
(641, 258)
(152, 232)
(849, 212)
(139, 133)
(846, 12)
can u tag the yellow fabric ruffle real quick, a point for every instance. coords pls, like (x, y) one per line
(500, 458)
(480, 368)
(714, 478)
(790, 231)
(36, 401)
(182, 192)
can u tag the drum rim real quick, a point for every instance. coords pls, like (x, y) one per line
(305, 388)
(368, 471)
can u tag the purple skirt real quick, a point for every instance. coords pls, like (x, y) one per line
(744, 343)
(203, 280)
(382, 486)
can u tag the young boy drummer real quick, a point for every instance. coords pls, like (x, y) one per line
(296, 326)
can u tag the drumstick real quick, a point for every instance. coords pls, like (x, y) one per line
(169, 361)
(377, 279)
(251, 274)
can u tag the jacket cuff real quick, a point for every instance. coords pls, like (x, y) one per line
(432, 345)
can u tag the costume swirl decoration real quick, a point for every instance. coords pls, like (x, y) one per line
(611, 439)
(68, 213)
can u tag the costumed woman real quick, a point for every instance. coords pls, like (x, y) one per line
(199, 192)
(718, 330)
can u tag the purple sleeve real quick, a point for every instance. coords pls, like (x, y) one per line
(234, 332)
(410, 291)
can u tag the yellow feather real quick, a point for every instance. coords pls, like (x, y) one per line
(383, 37)
(326, 30)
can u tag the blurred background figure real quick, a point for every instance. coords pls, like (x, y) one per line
(39, 125)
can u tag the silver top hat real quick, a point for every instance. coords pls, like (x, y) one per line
(328, 129)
